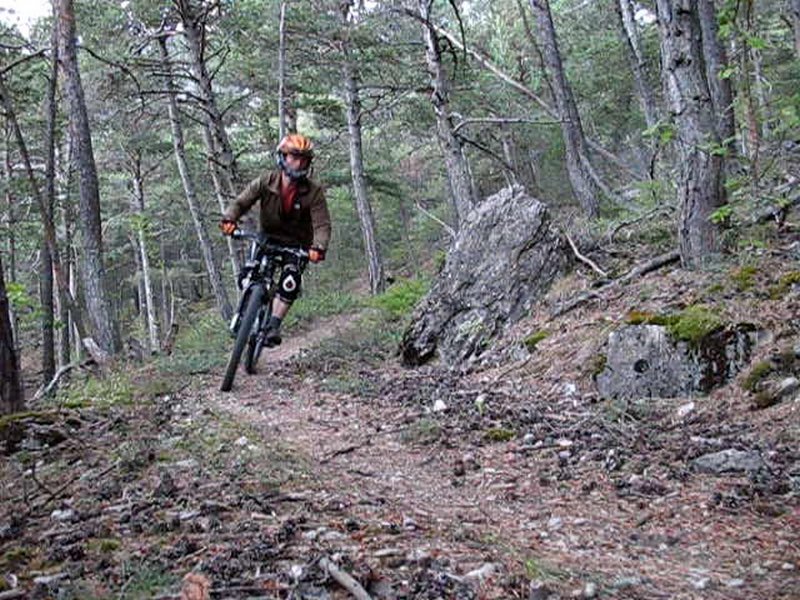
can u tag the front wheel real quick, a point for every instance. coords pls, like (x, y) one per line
(256, 343)
(252, 306)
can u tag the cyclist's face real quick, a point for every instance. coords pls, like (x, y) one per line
(298, 162)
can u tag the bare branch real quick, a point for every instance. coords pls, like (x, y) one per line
(21, 60)
(472, 121)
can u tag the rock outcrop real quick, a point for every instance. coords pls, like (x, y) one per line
(645, 361)
(504, 259)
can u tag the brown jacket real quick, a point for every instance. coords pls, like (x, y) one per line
(308, 224)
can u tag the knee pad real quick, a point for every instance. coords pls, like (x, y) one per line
(289, 283)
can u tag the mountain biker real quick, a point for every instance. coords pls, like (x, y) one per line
(293, 212)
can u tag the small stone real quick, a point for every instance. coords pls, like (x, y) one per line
(590, 590)
(46, 580)
(538, 591)
(685, 409)
(729, 460)
(387, 552)
(470, 462)
(528, 439)
(787, 566)
(735, 583)
(486, 570)
(439, 406)
(701, 583)
(418, 555)
(62, 515)
(242, 441)
(409, 523)
(564, 443)
(555, 523)
(626, 582)
(296, 571)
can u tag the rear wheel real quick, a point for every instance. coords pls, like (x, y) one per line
(251, 309)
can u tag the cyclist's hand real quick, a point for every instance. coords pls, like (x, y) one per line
(316, 255)
(227, 226)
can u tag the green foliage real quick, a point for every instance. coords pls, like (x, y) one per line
(662, 132)
(147, 581)
(758, 372)
(784, 285)
(599, 364)
(533, 339)
(104, 545)
(399, 300)
(203, 343)
(744, 277)
(16, 557)
(423, 431)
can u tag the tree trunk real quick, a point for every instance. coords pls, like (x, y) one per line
(11, 222)
(214, 277)
(11, 392)
(630, 39)
(46, 277)
(222, 200)
(282, 117)
(796, 23)
(150, 319)
(716, 62)
(222, 165)
(100, 356)
(68, 331)
(458, 176)
(686, 89)
(579, 169)
(95, 293)
(377, 280)
(194, 29)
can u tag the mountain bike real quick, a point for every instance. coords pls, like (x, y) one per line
(257, 280)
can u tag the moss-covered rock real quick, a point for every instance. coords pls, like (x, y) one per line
(673, 355)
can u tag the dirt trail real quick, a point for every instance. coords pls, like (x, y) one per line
(504, 514)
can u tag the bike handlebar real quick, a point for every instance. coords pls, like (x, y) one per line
(240, 234)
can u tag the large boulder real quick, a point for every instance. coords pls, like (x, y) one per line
(645, 361)
(504, 258)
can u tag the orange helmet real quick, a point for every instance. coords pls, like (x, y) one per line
(297, 144)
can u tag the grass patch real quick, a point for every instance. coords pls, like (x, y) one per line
(756, 375)
(147, 582)
(321, 304)
(111, 389)
(424, 431)
(401, 298)
(784, 285)
(104, 545)
(203, 343)
(744, 278)
(499, 434)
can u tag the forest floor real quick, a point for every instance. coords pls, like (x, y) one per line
(507, 481)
